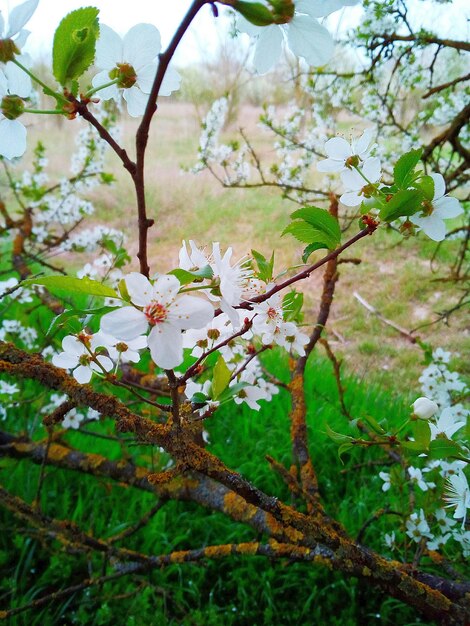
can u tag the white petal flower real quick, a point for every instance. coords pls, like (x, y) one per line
(13, 83)
(440, 208)
(357, 186)
(458, 495)
(417, 527)
(18, 17)
(340, 152)
(302, 33)
(161, 308)
(447, 424)
(72, 419)
(385, 476)
(76, 356)
(131, 61)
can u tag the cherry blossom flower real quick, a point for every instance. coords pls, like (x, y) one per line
(16, 20)
(131, 62)
(301, 31)
(357, 186)
(424, 408)
(458, 495)
(14, 86)
(445, 523)
(250, 395)
(76, 356)
(269, 318)
(417, 527)
(72, 419)
(342, 154)
(416, 476)
(125, 352)
(159, 306)
(385, 476)
(447, 424)
(291, 338)
(440, 208)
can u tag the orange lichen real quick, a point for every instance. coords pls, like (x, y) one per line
(214, 552)
(238, 508)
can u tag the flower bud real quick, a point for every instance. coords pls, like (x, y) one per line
(424, 408)
(12, 107)
(8, 50)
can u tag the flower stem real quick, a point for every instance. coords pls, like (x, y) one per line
(47, 90)
(96, 89)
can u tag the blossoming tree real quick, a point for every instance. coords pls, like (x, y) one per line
(160, 354)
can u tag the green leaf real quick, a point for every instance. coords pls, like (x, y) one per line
(185, 277)
(255, 12)
(426, 185)
(199, 398)
(404, 168)
(265, 267)
(74, 44)
(344, 447)
(338, 437)
(221, 377)
(66, 316)
(405, 202)
(321, 220)
(443, 448)
(421, 433)
(292, 304)
(373, 424)
(311, 248)
(231, 391)
(73, 285)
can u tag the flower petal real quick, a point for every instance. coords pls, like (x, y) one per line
(190, 312)
(71, 345)
(447, 207)
(19, 83)
(108, 92)
(170, 83)
(308, 39)
(268, 48)
(351, 198)
(146, 76)
(19, 16)
(165, 288)
(136, 101)
(109, 49)
(338, 148)
(166, 346)
(352, 180)
(371, 169)
(12, 138)
(82, 374)
(433, 226)
(64, 360)
(141, 45)
(439, 185)
(125, 323)
(361, 144)
(139, 288)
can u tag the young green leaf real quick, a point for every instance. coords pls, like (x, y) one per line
(321, 220)
(67, 316)
(221, 377)
(405, 202)
(292, 304)
(443, 448)
(405, 166)
(185, 277)
(265, 267)
(74, 45)
(421, 433)
(73, 285)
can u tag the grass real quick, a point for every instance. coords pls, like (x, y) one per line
(236, 591)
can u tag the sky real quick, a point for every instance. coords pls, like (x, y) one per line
(205, 32)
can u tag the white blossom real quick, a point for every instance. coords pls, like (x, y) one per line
(440, 208)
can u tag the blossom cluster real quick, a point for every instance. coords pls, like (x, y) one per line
(447, 419)
(160, 316)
